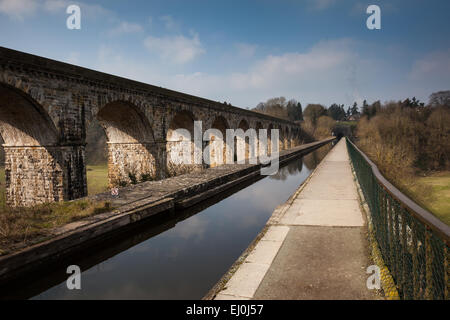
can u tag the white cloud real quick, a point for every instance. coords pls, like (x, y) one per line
(428, 74)
(273, 70)
(125, 28)
(177, 49)
(316, 75)
(55, 5)
(18, 9)
(331, 71)
(435, 65)
(169, 23)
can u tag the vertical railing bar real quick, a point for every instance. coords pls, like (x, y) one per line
(446, 272)
(415, 261)
(428, 265)
(407, 238)
(404, 256)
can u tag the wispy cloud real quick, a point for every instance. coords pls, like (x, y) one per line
(55, 5)
(126, 28)
(301, 75)
(434, 65)
(329, 71)
(18, 9)
(170, 23)
(176, 49)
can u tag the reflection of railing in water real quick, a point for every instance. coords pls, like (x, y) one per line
(414, 244)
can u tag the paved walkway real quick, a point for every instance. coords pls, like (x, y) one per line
(315, 246)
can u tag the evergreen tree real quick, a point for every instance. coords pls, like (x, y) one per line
(300, 111)
(336, 112)
(354, 109)
(294, 110)
(365, 109)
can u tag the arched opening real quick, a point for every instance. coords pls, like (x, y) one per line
(269, 139)
(180, 145)
(130, 144)
(280, 138)
(294, 137)
(242, 146)
(217, 143)
(300, 137)
(96, 158)
(37, 170)
(287, 139)
(262, 147)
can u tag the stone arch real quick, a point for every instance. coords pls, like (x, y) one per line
(130, 143)
(287, 137)
(217, 143)
(269, 139)
(294, 137)
(37, 168)
(280, 137)
(261, 147)
(240, 145)
(183, 153)
(23, 121)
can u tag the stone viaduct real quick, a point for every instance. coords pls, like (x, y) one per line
(46, 106)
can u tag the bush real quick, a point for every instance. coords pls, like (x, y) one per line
(146, 177)
(321, 129)
(402, 140)
(132, 177)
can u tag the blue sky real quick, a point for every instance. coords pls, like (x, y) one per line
(244, 52)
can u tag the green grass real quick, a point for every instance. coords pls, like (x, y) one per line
(97, 178)
(20, 227)
(25, 226)
(347, 123)
(433, 193)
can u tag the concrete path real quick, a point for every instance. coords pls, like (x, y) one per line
(315, 246)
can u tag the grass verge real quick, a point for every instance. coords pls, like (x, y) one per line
(97, 178)
(20, 227)
(433, 193)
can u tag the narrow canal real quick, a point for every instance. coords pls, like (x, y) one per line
(176, 257)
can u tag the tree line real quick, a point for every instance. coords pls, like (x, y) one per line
(292, 110)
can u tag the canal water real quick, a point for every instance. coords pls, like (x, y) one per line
(176, 257)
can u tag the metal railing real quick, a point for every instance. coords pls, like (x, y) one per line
(414, 244)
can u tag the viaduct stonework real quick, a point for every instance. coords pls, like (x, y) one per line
(46, 106)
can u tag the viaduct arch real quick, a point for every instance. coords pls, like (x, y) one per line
(46, 106)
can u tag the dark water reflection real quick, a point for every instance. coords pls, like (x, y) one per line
(173, 259)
